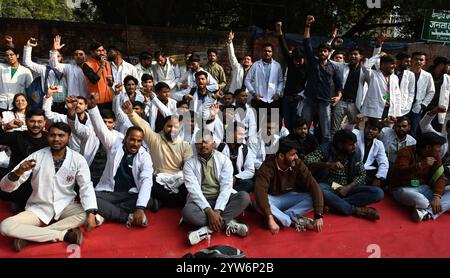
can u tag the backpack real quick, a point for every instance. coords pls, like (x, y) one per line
(217, 251)
(35, 93)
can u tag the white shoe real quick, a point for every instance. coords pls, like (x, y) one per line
(99, 219)
(131, 218)
(196, 236)
(303, 223)
(234, 227)
(420, 214)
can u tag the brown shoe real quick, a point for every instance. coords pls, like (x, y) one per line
(367, 213)
(74, 236)
(19, 244)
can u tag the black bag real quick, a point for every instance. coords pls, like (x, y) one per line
(217, 251)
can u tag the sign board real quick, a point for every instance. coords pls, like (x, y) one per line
(436, 26)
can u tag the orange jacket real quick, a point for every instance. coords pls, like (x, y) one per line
(105, 94)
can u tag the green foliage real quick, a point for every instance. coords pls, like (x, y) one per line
(36, 9)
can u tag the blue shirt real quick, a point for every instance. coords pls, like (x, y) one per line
(323, 81)
(267, 68)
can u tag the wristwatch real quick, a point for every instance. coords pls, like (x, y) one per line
(93, 211)
(318, 216)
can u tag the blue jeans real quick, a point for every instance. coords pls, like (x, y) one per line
(289, 108)
(324, 112)
(415, 120)
(287, 206)
(421, 197)
(359, 196)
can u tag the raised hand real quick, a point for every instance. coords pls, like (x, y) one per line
(278, 28)
(25, 166)
(51, 90)
(127, 107)
(92, 100)
(57, 43)
(71, 103)
(9, 40)
(230, 37)
(334, 33)
(118, 89)
(215, 108)
(310, 20)
(32, 42)
(382, 38)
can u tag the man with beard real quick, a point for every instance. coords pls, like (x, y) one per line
(201, 97)
(99, 78)
(396, 138)
(169, 153)
(306, 143)
(22, 144)
(372, 152)
(343, 177)
(188, 80)
(160, 106)
(285, 190)
(323, 86)
(145, 65)
(244, 113)
(215, 69)
(54, 171)
(119, 67)
(239, 69)
(406, 81)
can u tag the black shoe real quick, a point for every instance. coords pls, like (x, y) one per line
(19, 244)
(74, 236)
(154, 204)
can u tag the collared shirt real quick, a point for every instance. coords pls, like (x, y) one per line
(210, 184)
(267, 68)
(217, 73)
(281, 170)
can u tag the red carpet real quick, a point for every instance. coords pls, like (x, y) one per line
(349, 237)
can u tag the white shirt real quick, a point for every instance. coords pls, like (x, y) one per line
(125, 69)
(10, 86)
(392, 144)
(76, 81)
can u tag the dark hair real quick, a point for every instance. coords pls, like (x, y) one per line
(211, 51)
(94, 46)
(83, 98)
(430, 139)
(61, 126)
(194, 58)
(299, 122)
(113, 47)
(13, 49)
(132, 128)
(128, 78)
(145, 55)
(158, 53)
(146, 77)
(375, 123)
(182, 102)
(387, 59)
(404, 118)
(325, 46)
(229, 93)
(286, 145)
(203, 133)
(268, 44)
(172, 117)
(197, 74)
(343, 136)
(355, 48)
(108, 114)
(138, 103)
(402, 56)
(297, 53)
(418, 53)
(34, 112)
(160, 86)
(14, 102)
(239, 91)
(447, 125)
(339, 52)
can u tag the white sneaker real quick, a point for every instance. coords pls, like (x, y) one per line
(196, 236)
(131, 218)
(420, 214)
(234, 227)
(99, 219)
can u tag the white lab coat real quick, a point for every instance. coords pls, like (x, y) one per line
(407, 88)
(256, 80)
(9, 116)
(53, 192)
(125, 69)
(40, 70)
(376, 153)
(249, 120)
(223, 170)
(189, 78)
(246, 168)
(155, 104)
(89, 142)
(142, 164)
(425, 91)
(374, 104)
(140, 70)
(425, 127)
(168, 74)
(237, 70)
(444, 97)
(76, 81)
(9, 87)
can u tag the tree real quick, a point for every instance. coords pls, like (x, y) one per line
(36, 9)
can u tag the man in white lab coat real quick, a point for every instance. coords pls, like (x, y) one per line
(54, 172)
(212, 202)
(123, 191)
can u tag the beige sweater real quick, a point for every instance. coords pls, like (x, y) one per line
(167, 157)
